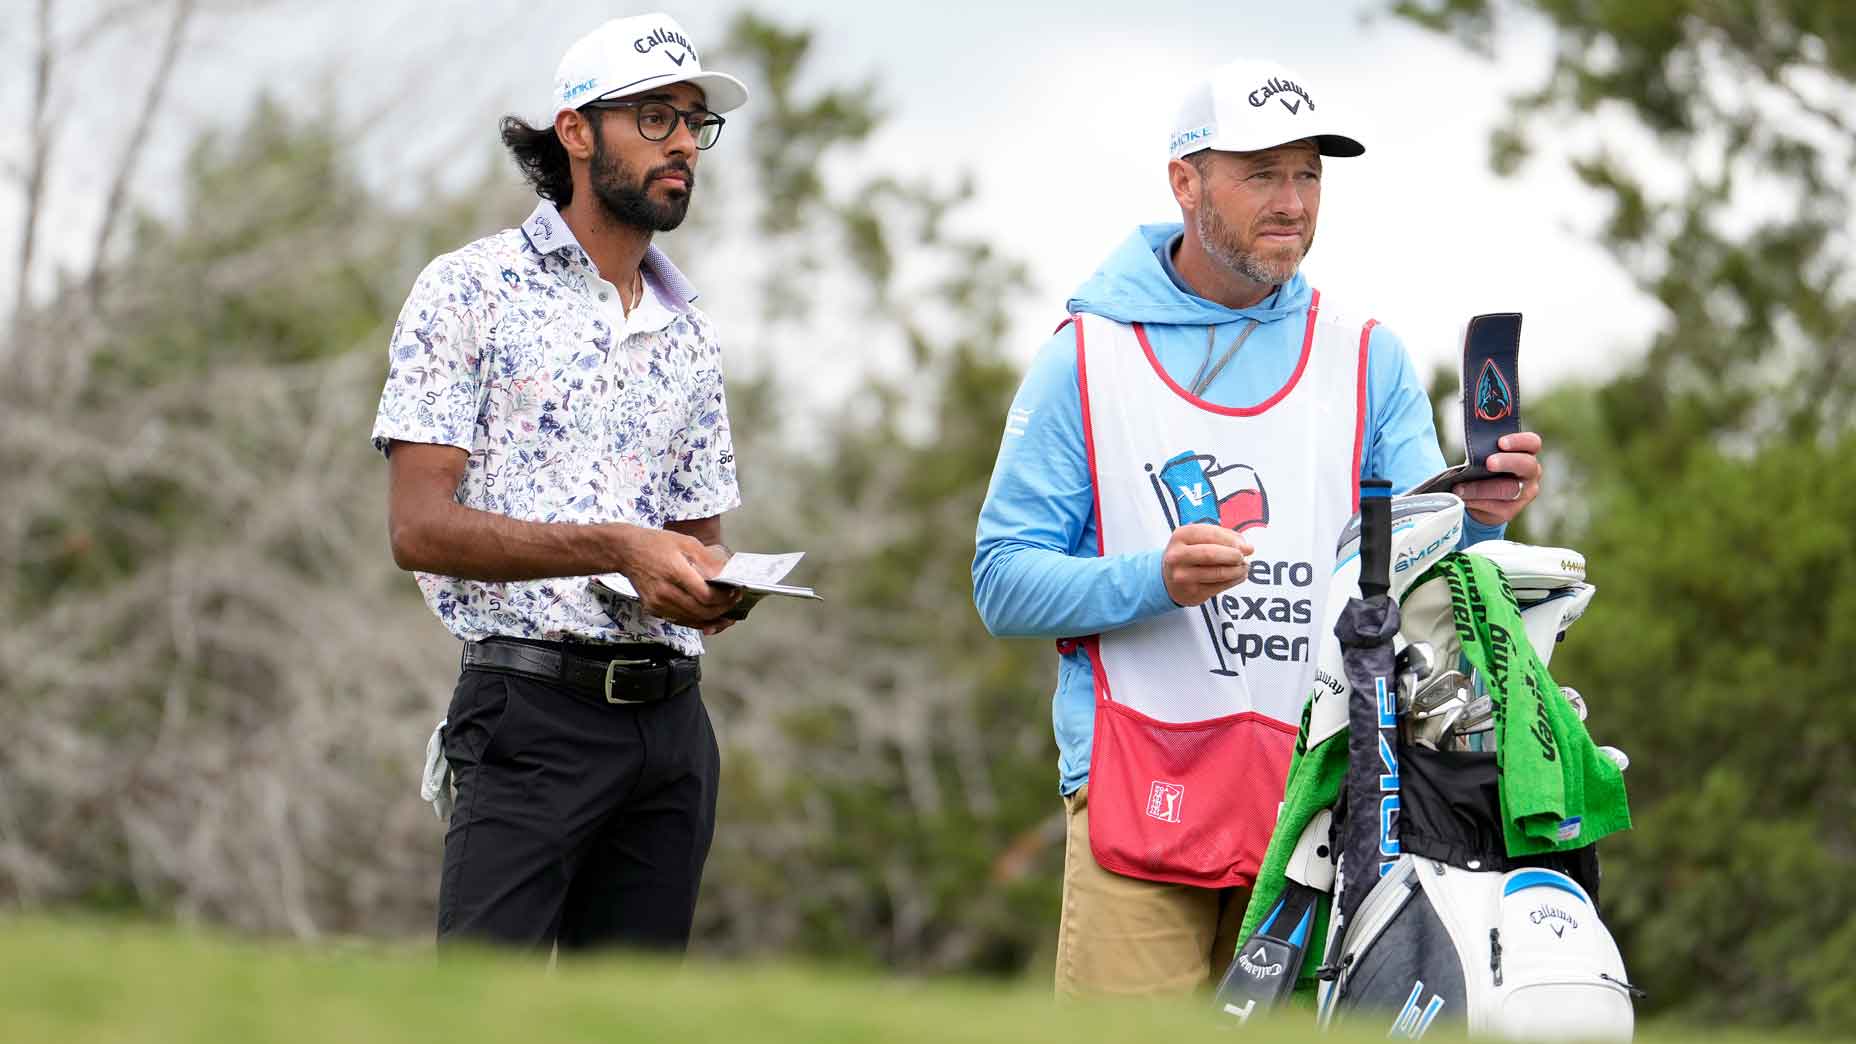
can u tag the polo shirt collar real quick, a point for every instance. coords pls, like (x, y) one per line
(548, 234)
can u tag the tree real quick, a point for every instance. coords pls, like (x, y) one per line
(215, 675)
(881, 747)
(1708, 482)
(221, 683)
(1728, 197)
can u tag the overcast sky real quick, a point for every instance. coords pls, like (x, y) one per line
(1061, 111)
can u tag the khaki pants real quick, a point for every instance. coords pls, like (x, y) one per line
(1125, 936)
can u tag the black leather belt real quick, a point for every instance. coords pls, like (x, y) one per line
(616, 674)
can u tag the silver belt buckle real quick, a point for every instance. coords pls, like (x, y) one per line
(613, 665)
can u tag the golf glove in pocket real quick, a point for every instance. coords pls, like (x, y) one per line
(435, 781)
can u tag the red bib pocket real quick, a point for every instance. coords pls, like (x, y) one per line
(1190, 802)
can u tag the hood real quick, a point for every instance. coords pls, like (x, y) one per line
(1131, 287)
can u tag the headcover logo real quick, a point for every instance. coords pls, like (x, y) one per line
(1201, 491)
(1493, 399)
(645, 44)
(1274, 86)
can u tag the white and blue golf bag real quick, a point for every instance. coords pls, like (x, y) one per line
(1454, 930)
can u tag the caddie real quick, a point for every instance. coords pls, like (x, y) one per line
(555, 409)
(1175, 469)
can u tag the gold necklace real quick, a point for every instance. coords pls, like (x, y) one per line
(637, 293)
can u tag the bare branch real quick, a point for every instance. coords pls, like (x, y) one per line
(138, 137)
(38, 159)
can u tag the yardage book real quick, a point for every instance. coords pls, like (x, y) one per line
(756, 576)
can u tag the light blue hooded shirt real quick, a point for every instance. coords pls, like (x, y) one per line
(1036, 570)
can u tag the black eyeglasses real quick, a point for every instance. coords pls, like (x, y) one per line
(658, 120)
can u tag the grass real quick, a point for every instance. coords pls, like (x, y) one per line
(82, 981)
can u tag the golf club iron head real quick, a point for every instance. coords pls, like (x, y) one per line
(1433, 731)
(1478, 715)
(1411, 665)
(1416, 659)
(1445, 686)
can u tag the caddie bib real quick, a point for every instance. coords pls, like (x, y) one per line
(1196, 709)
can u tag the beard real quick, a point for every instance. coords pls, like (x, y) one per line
(626, 196)
(1227, 249)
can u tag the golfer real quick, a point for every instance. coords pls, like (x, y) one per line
(554, 409)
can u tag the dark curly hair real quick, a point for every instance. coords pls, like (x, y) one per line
(541, 158)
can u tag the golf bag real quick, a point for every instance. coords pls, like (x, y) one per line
(1398, 895)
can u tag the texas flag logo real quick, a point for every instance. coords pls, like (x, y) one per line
(1198, 490)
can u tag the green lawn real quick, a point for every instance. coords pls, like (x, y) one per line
(80, 981)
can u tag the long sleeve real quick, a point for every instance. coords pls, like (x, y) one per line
(1036, 570)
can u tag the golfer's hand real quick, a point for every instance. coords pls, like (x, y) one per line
(671, 571)
(1496, 501)
(1201, 560)
(717, 558)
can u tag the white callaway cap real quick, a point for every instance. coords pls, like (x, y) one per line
(634, 55)
(1249, 106)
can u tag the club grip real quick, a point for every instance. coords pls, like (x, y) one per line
(1375, 536)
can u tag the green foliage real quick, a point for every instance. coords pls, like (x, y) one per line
(259, 261)
(1742, 109)
(195, 521)
(216, 529)
(277, 257)
(1711, 654)
(1709, 483)
(912, 749)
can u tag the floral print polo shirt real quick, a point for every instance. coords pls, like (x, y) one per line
(516, 351)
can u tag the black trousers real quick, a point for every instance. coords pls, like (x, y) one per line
(579, 824)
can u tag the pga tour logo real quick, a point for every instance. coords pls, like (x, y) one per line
(1163, 801)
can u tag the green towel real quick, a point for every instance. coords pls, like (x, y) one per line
(1557, 791)
(1315, 778)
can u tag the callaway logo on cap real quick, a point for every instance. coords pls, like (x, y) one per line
(1248, 106)
(635, 55)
